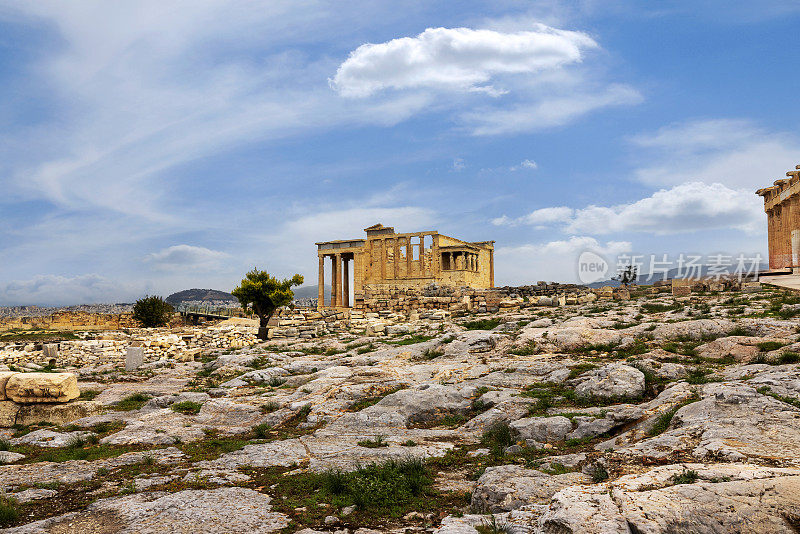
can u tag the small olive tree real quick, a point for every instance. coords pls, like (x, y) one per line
(266, 294)
(627, 276)
(152, 311)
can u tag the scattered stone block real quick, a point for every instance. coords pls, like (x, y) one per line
(751, 287)
(681, 287)
(50, 351)
(26, 388)
(134, 358)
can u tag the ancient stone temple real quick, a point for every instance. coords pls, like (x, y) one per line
(782, 205)
(386, 259)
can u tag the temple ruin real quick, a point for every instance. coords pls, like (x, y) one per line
(782, 205)
(388, 260)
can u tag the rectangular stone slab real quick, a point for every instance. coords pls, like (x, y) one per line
(134, 357)
(42, 387)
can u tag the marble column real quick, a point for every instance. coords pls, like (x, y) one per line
(345, 282)
(321, 283)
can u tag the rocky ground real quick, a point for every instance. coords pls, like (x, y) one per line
(653, 415)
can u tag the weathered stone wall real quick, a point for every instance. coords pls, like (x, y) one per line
(71, 321)
(184, 344)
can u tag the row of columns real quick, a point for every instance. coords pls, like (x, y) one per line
(425, 269)
(782, 221)
(459, 261)
(340, 287)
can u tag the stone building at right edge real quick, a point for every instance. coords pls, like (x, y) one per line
(782, 205)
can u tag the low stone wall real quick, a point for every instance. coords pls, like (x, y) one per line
(451, 299)
(183, 345)
(70, 321)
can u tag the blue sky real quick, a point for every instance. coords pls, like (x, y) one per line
(149, 147)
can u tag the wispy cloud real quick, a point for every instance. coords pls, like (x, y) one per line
(526, 164)
(549, 111)
(186, 257)
(734, 152)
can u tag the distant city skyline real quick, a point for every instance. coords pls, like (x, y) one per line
(151, 147)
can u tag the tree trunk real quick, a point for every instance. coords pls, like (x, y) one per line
(262, 327)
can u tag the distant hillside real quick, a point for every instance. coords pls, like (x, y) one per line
(703, 271)
(201, 295)
(310, 292)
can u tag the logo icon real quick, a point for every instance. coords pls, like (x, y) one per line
(592, 267)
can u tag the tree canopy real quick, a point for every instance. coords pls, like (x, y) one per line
(152, 311)
(265, 293)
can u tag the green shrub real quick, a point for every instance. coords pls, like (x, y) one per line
(789, 357)
(430, 354)
(8, 511)
(700, 376)
(152, 311)
(498, 436)
(687, 477)
(599, 474)
(579, 369)
(262, 431)
(379, 486)
(527, 350)
(88, 394)
(482, 324)
(655, 307)
(132, 402)
(663, 421)
(766, 346)
(493, 527)
(373, 443)
(269, 407)
(187, 407)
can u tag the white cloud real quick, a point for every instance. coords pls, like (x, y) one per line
(550, 261)
(456, 59)
(539, 218)
(550, 111)
(51, 290)
(186, 257)
(548, 215)
(736, 153)
(526, 164)
(689, 207)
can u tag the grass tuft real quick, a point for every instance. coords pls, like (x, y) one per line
(9, 514)
(132, 402)
(373, 443)
(689, 476)
(482, 324)
(187, 407)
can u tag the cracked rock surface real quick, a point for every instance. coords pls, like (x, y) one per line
(656, 415)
